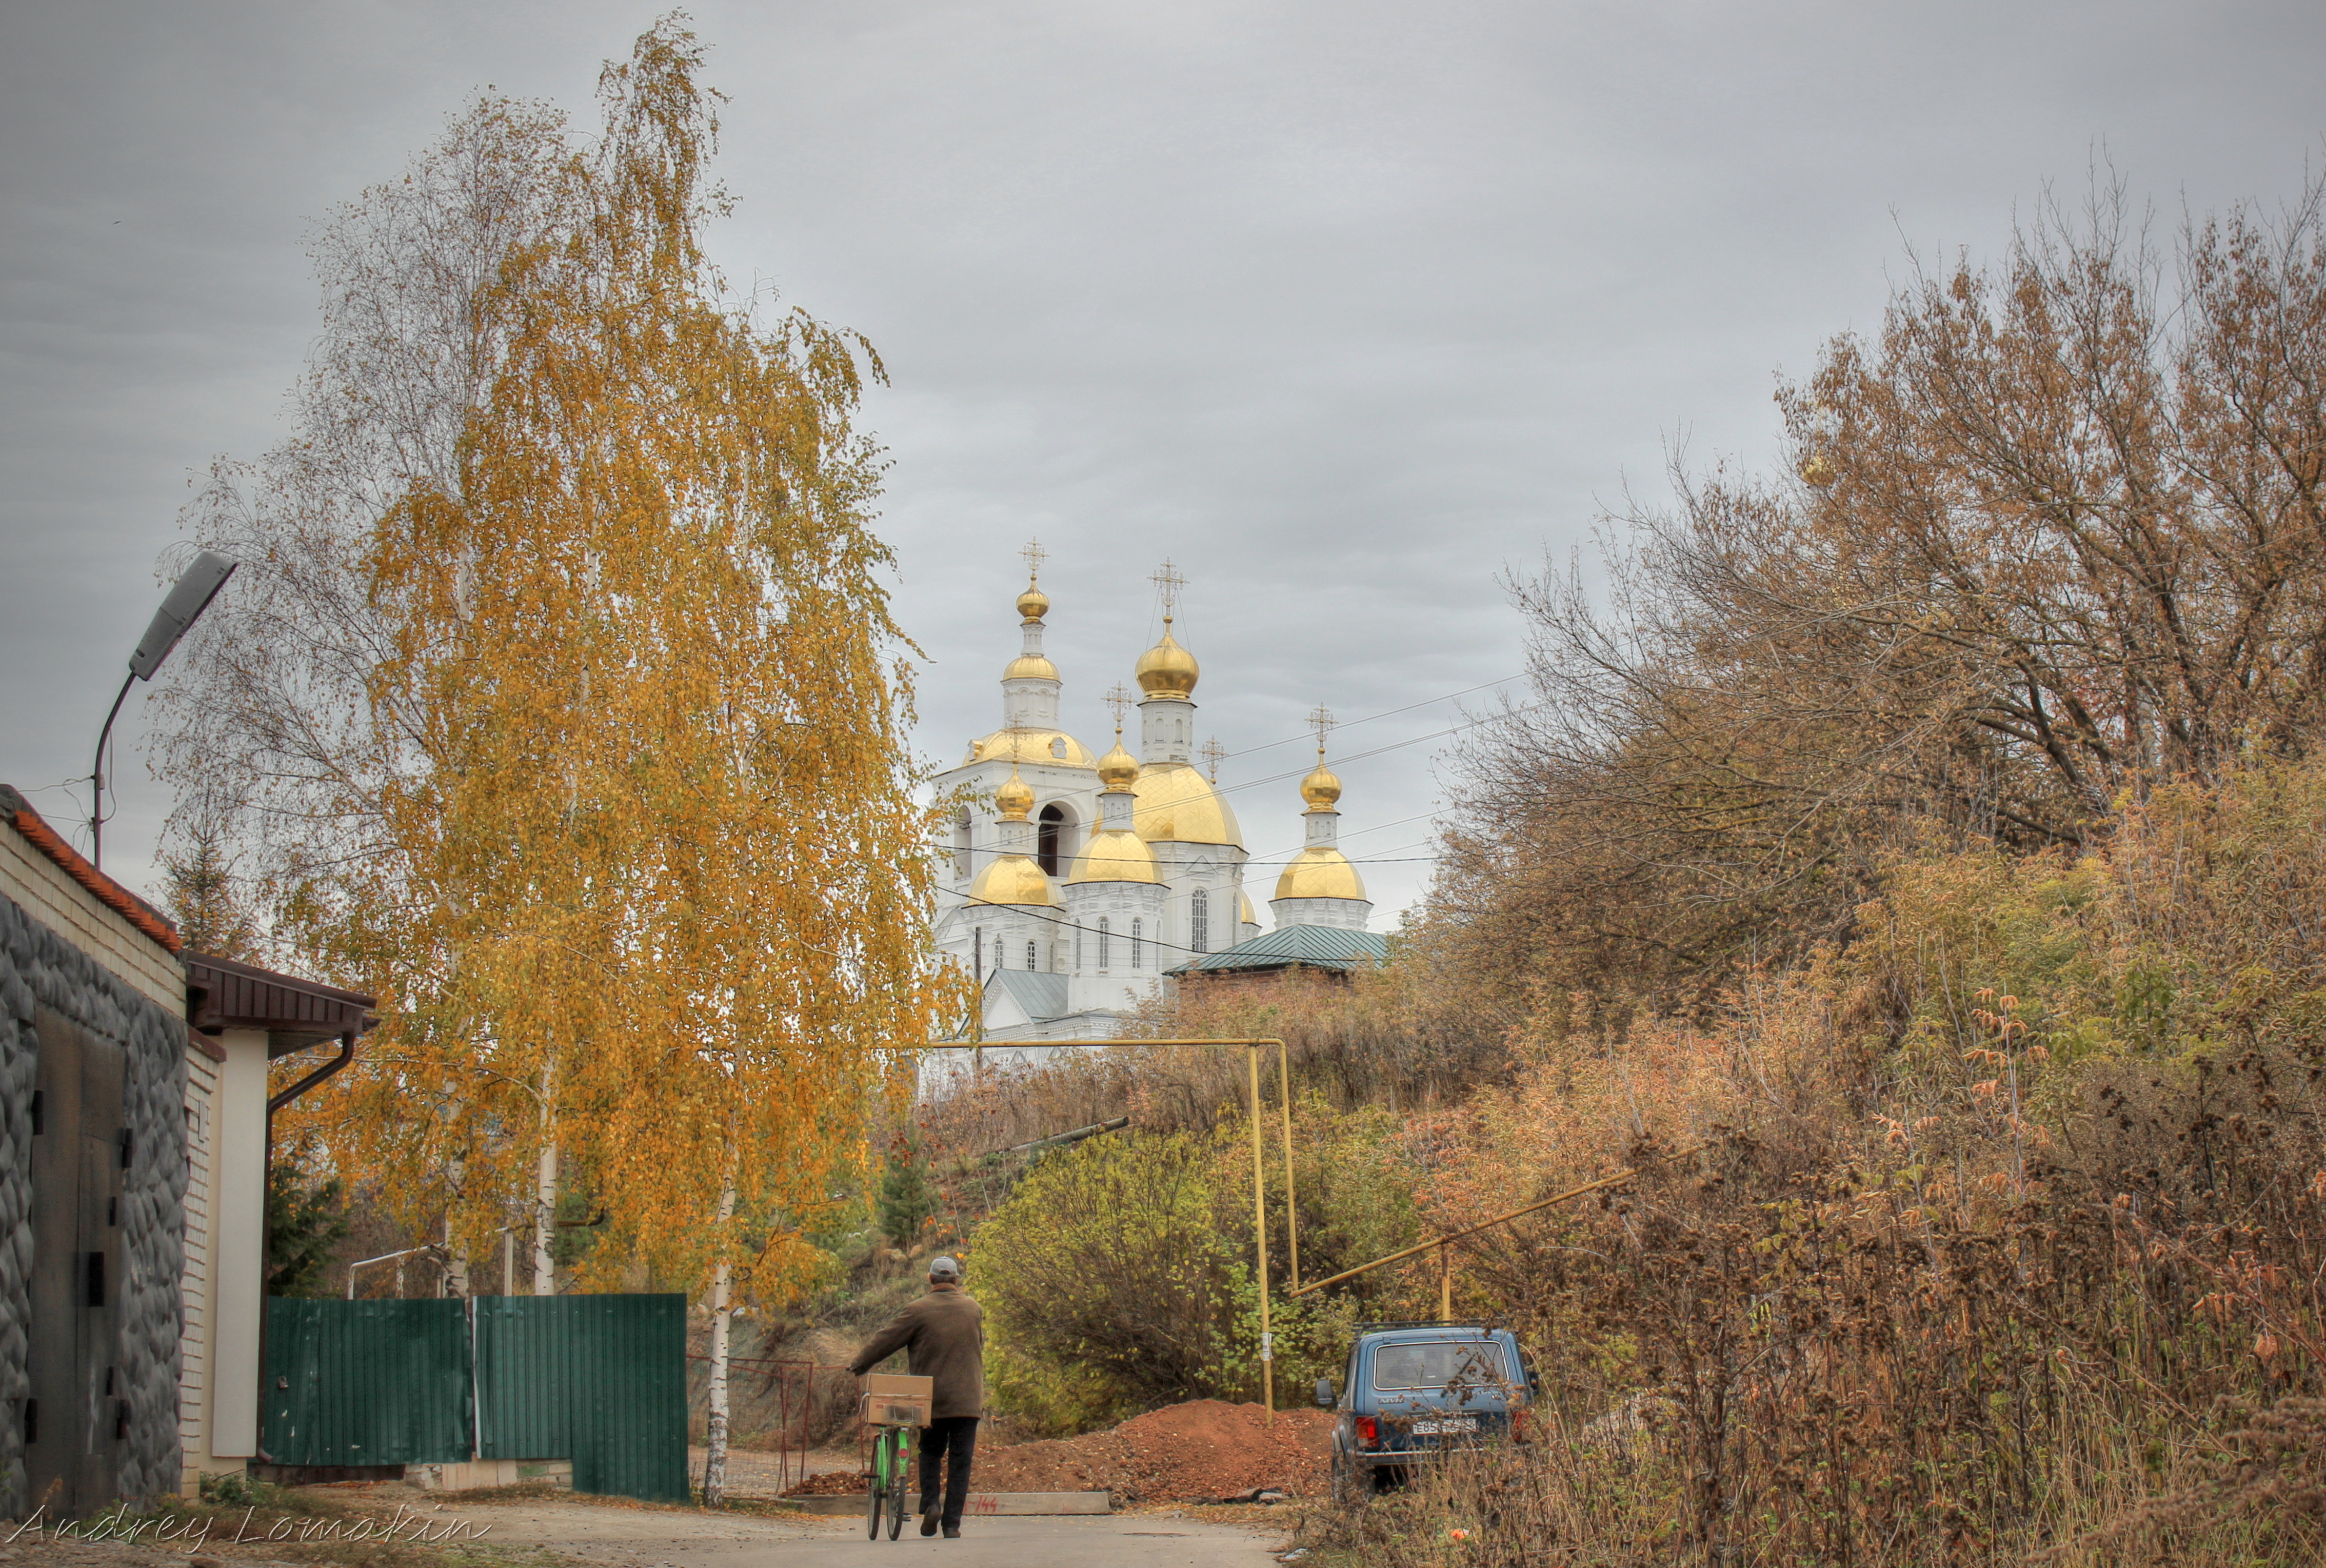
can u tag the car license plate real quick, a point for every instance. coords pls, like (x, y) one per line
(1439, 1428)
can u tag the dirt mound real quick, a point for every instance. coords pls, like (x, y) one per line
(830, 1484)
(1205, 1449)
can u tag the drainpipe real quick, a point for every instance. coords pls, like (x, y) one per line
(347, 1054)
(273, 1103)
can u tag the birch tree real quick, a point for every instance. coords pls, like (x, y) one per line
(588, 752)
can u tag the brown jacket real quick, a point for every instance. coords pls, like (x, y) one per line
(945, 1332)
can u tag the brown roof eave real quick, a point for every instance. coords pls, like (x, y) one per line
(295, 1013)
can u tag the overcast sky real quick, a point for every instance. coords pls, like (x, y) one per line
(1346, 307)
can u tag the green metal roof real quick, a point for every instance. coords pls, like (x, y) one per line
(1289, 947)
(1042, 995)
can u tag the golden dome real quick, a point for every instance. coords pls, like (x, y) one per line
(1320, 789)
(1320, 874)
(1030, 667)
(1115, 855)
(1243, 902)
(1117, 769)
(1012, 879)
(1052, 748)
(1015, 798)
(1177, 804)
(1033, 604)
(1167, 669)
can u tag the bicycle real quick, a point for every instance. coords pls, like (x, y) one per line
(892, 1474)
(895, 1408)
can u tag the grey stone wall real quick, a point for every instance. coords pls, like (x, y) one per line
(17, 1060)
(40, 968)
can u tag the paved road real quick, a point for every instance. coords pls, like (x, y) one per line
(669, 1538)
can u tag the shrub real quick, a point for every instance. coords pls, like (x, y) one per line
(1121, 1274)
(1108, 1282)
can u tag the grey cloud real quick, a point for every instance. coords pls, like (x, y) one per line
(1343, 307)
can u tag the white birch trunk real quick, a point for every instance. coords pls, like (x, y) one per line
(544, 1223)
(545, 1186)
(723, 1284)
(456, 1266)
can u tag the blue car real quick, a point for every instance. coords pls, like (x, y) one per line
(1415, 1389)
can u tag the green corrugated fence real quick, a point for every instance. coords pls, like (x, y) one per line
(600, 1380)
(597, 1380)
(374, 1382)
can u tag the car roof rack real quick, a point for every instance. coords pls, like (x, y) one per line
(1421, 1323)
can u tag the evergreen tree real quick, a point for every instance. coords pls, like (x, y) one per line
(202, 899)
(907, 1199)
(304, 1221)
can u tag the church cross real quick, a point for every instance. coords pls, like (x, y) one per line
(1168, 579)
(1035, 556)
(1322, 721)
(1213, 752)
(1120, 700)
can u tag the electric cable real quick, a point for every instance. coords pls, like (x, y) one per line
(1302, 772)
(1385, 713)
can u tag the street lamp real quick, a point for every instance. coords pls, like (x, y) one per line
(184, 606)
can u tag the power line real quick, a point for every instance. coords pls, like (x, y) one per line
(1377, 750)
(1359, 756)
(1273, 857)
(1156, 607)
(1386, 857)
(969, 901)
(1063, 925)
(1298, 772)
(1394, 821)
(1279, 857)
(1385, 713)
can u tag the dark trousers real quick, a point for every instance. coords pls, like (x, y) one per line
(947, 1435)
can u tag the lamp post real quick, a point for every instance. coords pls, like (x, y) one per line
(196, 588)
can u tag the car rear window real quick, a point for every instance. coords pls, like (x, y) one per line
(1439, 1364)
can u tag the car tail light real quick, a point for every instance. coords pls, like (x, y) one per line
(1368, 1432)
(1518, 1424)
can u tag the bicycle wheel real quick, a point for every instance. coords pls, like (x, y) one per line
(877, 1488)
(903, 1456)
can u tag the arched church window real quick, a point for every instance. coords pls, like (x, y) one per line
(1199, 922)
(1137, 955)
(1103, 941)
(1032, 947)
(1000, 962)
(960, 834)
(1078, 947)
(1049, 837)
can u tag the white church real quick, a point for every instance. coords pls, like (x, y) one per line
(1077, 883)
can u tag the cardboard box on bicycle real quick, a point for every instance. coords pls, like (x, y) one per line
(896, 1399)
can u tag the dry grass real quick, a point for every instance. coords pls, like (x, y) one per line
(1997, 1235)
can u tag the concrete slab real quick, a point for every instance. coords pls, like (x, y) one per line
(615, 1537)
(981, 1504)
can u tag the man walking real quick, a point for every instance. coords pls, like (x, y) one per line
(945, 1332)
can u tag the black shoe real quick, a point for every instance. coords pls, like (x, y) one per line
(952, 1532)
(929, 1521)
